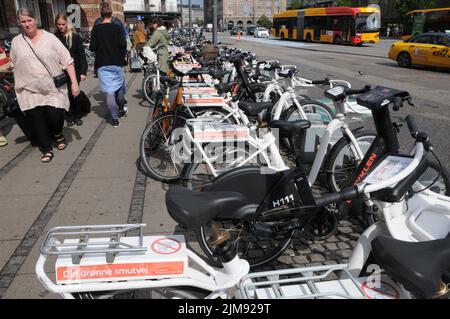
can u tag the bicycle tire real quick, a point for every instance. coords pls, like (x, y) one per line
(256, 257)
(441, 186)
(219, 111)
(181, 292)
(310, 106)
(158, 139)
(147, 89)
(336, 154)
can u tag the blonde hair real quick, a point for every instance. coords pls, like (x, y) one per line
(70, 28)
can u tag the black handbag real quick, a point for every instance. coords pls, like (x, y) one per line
(58, 80)
(82, 103)
(11, 107)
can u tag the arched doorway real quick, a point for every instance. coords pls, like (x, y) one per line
(230, 25)
(240, 23)
(249, 22)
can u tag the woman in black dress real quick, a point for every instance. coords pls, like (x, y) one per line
(74, 43)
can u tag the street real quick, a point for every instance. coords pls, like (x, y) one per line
(98, 180)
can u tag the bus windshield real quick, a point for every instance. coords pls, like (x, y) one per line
(367, 22)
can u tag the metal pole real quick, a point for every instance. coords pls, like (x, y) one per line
(190, 18)
(181, 14)
(215, 22)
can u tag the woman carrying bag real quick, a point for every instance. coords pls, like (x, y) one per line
(40, 60)
(74, 43)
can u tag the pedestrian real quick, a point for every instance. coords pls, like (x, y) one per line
(74, 43)
(140, 37)
(109, 44)
(160, 41)
(40, 59)
(388, 32)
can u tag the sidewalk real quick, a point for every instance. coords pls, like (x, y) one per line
(91, 182)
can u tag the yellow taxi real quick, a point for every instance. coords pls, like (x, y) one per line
(431, 49)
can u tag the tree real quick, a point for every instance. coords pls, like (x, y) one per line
(345, 3)
(404, 6)
(265, 22)
(295, 4)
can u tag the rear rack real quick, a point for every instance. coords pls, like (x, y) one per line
(53, 243)
(301, 283)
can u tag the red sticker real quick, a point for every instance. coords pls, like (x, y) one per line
(166, 246)
(385, 290)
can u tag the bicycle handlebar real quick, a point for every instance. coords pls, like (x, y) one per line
(412, 125)
(345, 194)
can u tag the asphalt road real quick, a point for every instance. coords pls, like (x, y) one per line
(368, 64)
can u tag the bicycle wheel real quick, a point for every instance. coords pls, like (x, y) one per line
(255, 249)
(182, 292)
(317, 110)
(148, 85)
(196, 175)
(156, 147)
(435, 179)
(342, 161)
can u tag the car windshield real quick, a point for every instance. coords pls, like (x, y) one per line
(261, 29)
(367, 22)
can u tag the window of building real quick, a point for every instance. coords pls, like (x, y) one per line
(32, 4)
(59, 6)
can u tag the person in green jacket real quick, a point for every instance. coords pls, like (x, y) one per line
(160, 41)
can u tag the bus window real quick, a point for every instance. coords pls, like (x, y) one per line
(437, 21)
(367, 22)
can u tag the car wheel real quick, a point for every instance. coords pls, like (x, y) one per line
(404, 60)
(337, 40)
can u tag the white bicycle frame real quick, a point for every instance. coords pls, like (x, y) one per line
(235, 274)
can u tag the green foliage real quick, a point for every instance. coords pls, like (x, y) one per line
(295, 4)
(265, 22)
(404, 6)
(345, 3)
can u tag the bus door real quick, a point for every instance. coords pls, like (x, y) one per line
(317, 32)
(348, 25)
(300, 25)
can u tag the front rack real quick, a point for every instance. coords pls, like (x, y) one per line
(302, 283)
(54, 241)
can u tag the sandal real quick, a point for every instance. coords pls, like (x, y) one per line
(3, 141)
(61, 142)
(47, 157)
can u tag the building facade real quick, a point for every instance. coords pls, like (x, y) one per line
(144, 10)
(233, 13)
(197, 14)
(46, 11)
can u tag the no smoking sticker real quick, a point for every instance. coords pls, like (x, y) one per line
(166, 246)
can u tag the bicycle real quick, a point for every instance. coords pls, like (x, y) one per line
(89, 267)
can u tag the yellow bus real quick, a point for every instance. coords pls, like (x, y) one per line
(422, 21)
(333, 25)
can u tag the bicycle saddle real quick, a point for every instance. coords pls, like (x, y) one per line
(272, 67)
(418, 266)
(286, 73)
(217, 74)
(224, 87)
(192, 209)
(290, 128)
(254, 108)
(197, 72)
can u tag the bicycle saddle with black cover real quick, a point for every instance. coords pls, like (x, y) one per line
(254, 108)
(192, 209)
(290, 128)
(418, 266)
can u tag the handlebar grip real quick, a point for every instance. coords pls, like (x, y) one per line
(412, 125)
(345, 194)
(318, 82)
(357, 91)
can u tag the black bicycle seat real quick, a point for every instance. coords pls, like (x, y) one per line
(418, 266)
(272, 67)
(198, 71)
(290, 128)
(192, 209)
(254, 108)
(217, 74)
(223, 88)
(286, 73)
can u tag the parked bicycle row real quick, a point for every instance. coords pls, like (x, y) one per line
(221, 131)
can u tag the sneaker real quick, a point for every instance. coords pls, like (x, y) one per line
(115, 123)
(124, 113)
(79, 122)
(70, 123)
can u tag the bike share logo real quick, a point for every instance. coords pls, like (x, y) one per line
(224, 146)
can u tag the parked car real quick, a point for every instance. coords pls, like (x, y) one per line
(431, 49)
(235, 30)
(251, 30)
(261, 32)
